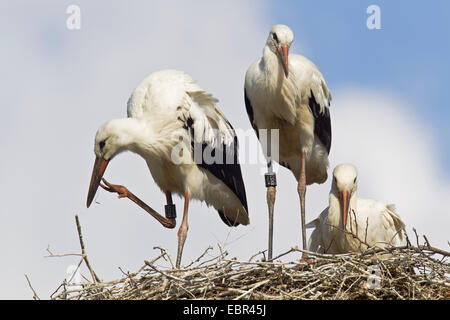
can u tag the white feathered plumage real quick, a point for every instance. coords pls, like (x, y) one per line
(287, 92)
(168, 107)
(297, 105)
(190, 147)
(352, 224)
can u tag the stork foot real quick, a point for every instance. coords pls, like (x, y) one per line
(122, 191)
(182, 234)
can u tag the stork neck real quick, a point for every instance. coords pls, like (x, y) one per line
(152, 140)
(273, 69)
(134, 135)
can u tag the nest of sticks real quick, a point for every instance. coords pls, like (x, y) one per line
(412, 272)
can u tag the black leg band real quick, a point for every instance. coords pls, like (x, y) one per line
(271, 179)
(171, 212)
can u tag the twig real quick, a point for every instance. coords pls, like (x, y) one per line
(35, 295)
(252, 289)
(426, 241)
(417, 237)
(435, 250)
(166, 254)
(83, 251)
(200, 257)
(165, 274)
(257, 254)
(293, 249)
(64, 255)
(367, 228)
(355, 236)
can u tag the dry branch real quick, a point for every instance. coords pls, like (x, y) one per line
(35, 296)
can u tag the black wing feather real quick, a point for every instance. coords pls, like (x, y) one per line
(249, 108)
(229, 173)
(322, 125)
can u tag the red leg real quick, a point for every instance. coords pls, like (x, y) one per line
(301, 188)
(271, 193)
(271, 184)
(123, 192)
(169, 197)
(182, 232)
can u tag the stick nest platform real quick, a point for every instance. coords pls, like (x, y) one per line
(410, 272)
(414, 272)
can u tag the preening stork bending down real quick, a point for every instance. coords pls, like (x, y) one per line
(287, 92)
(352, 224)
(190, 148)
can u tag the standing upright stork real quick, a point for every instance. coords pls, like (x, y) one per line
(353, 224)
(190, 148)
(287, 92)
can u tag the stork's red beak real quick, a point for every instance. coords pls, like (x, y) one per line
(283, 52)
(97, 174)
(344, 199)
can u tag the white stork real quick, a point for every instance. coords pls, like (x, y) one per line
(189, 146)
(352, 224)
(287, 92)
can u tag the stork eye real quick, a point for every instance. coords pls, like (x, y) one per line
(275, 37)
(354, 181)
(102, 144)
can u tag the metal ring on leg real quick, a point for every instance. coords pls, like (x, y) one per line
(271, 179)
(170, 210)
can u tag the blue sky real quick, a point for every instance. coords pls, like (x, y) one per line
(408, 57)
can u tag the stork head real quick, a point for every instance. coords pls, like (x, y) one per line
(279, 41)
(344, 187)
(110, 140)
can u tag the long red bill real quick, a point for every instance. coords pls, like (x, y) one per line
(97, 174)
(345, 199)
(283, 51)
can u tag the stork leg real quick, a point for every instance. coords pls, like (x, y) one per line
(271, 183)
(182, 232)
(301, 188)
(123, 192)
